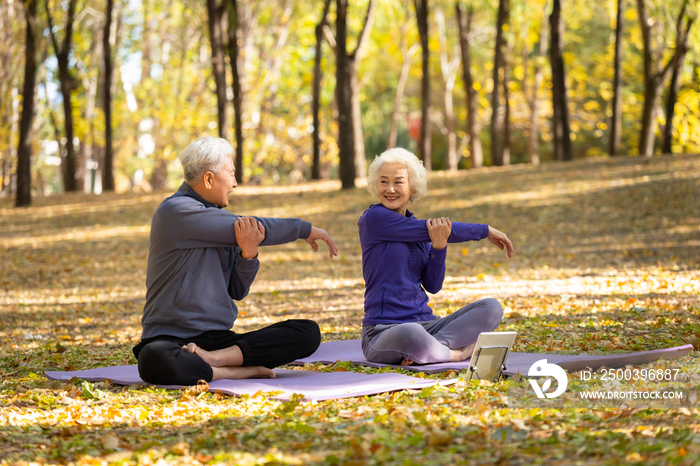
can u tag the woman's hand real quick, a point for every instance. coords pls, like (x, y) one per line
(249, 234)
(439, 230)
(320, 233)
(501, 240)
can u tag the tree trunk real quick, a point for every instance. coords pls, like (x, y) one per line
(24, 151)
(350, 142)
(70, 181)
(654, 77)
(146, 61)
(346, 139)
(560, 123)
(452, 155)
(505, 157)
(464, 22)
(424, 146)
(678, 58)
(92, 82)
(356, 111)
(449, 69)
(9, 87)
(496, 105)
(159, 179)
(616, 120)
(406, 56)
(108, 165)
(10, 120)
(316, 100)
(233, 50)
(532, 97)
(214, 14)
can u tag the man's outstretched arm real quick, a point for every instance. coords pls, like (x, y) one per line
(320, 233)
(277, 231)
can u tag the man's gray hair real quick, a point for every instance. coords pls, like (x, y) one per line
(203, 155)
(417, 174)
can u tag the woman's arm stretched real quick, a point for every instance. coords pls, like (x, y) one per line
(386, 225)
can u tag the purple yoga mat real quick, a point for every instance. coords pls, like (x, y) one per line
(313, 385)
(351, 350)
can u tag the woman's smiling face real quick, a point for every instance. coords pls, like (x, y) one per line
(394, 187)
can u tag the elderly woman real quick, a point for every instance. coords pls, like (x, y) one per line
(402, 258)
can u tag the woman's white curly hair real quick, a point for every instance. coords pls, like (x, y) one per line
(417, 174)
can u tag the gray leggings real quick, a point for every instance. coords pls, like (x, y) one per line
(431, 341)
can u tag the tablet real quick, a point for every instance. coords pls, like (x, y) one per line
(490, 355)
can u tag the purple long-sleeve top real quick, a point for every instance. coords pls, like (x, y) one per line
(399, 264)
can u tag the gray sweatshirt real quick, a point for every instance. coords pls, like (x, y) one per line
(195, 268)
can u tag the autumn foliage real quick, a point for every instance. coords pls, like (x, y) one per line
(607, 254)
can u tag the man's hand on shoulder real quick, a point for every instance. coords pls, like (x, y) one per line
(249, 234)
(320, 233)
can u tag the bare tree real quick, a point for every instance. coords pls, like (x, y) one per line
(316, 96)
(424, 146)
(407, 54)
(560, 121)
(24, 151)
(654, 75)
(234, 53)
(449, 68)
(10, 88)
(147, 44)
(346, 141)
(352, 157)
(505, 150)
(531, 93)
(498, 110)
(354, 62)
(92, 80)
(108, 168)
(616, 120)
(678, 58)
(214, 16)
(464, 22)
(70, 182)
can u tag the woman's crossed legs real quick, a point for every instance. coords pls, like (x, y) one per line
(450, 338)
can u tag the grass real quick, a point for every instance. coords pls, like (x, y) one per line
(607, 260)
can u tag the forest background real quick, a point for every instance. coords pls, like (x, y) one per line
(168, 77)
(607, 248)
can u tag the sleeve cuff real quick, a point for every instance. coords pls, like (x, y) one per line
(485, 233)
(247, 264)
(438, 253)
(304, 230)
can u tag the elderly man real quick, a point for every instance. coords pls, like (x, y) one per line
(200, 258)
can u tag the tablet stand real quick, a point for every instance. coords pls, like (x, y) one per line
(500, 367)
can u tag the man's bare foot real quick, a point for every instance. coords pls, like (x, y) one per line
(231, 356)
(242, 372)
(406, 362)
(460, 354)
(226, 363)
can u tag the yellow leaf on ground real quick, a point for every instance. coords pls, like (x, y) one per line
(180, 448)
(438, 437)
(110, 441)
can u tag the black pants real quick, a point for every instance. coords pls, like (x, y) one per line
(162, 360)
